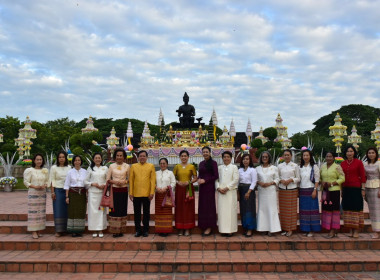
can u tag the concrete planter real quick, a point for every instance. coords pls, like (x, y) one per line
(8, 187)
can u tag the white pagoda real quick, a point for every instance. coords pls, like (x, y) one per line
(261, 136)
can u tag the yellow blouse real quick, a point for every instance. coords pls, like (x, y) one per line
(118, 173)
(184, 174)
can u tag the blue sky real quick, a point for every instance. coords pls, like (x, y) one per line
(246, 59)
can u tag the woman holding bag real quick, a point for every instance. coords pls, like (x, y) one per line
(165, 184)
(95, 182)
(185, 175)
(118, 174)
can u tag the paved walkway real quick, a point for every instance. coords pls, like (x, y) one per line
(193, 276)
(16, 203)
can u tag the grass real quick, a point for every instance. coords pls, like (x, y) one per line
(20, 185)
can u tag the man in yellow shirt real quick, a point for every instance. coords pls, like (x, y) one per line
(142, 184)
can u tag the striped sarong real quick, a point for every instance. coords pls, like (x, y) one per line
(374, 208)
(247, 207)
(60, 210)
(117, 218)
(310, 219)
(331, 211)
(163, 215)
(288, 209)
(352, 204)
(76, 212)
(36, 209)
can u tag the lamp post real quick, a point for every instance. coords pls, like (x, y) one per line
(338, 130)
(354, 138)
(375, 135)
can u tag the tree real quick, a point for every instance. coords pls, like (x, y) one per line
(270, 132)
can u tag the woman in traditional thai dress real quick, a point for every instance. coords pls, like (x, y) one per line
(118, 174)
(372, 189)
(36, 179)
(208, 174)
(165, 184)
(268, 179)
(185, 175)
(96, 182)
(332, 177)
(226, 186)
(353, 191)
(57, 179)
(310, 220)
(246, 194)
(76, 196)
(289, 178)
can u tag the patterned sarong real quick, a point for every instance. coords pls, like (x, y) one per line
(36, 209)
(247, 207)
(117, 218)
(60, 210)
(331, 211)
(310, 219)
(163, 215)
(374, 208)
(76, 222)
(288, 209)
(352, 204)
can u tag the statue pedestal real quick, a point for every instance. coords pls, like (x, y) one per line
(172, 154)
(8, 188)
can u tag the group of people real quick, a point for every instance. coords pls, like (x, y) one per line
(76, 191)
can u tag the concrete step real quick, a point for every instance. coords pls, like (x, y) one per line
(85, 261)
(21, 227)
(238, 242)
(50, 217)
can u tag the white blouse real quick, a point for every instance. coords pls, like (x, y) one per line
(305, 173)
(248, 176)
(373, 175)
(98, 175)
(164, 179)
(75, 179)
(228, 177)
(268, 174)
(289, 171)
(58, 176)
(36, 177)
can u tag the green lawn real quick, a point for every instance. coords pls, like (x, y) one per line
(20, 184)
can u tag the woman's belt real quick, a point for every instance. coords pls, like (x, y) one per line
(77, 190)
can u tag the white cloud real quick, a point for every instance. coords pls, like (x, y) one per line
(247, 59)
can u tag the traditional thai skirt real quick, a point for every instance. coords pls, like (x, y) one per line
(374, 208)
(97, 215)
(352, 204)
(288, 209)
(331, 211)
(267, 213)
(76, 222)
(36, 209)
(310, 219)
(60, 210)
(247, 207)
(185, 208)
(117, 218)
(163, 215)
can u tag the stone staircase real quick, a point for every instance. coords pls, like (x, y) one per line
(155, 254)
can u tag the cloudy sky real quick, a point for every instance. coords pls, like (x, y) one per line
(247, 59)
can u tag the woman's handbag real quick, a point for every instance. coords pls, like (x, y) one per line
(107, 197)
(169, 198)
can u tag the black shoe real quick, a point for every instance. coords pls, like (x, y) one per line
(207, 234)
(116, 235)
(76, 235)
(163, 234)
(138, 234)
(145, 234)
(227, 234)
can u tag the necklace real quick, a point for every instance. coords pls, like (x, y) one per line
(349, 161)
